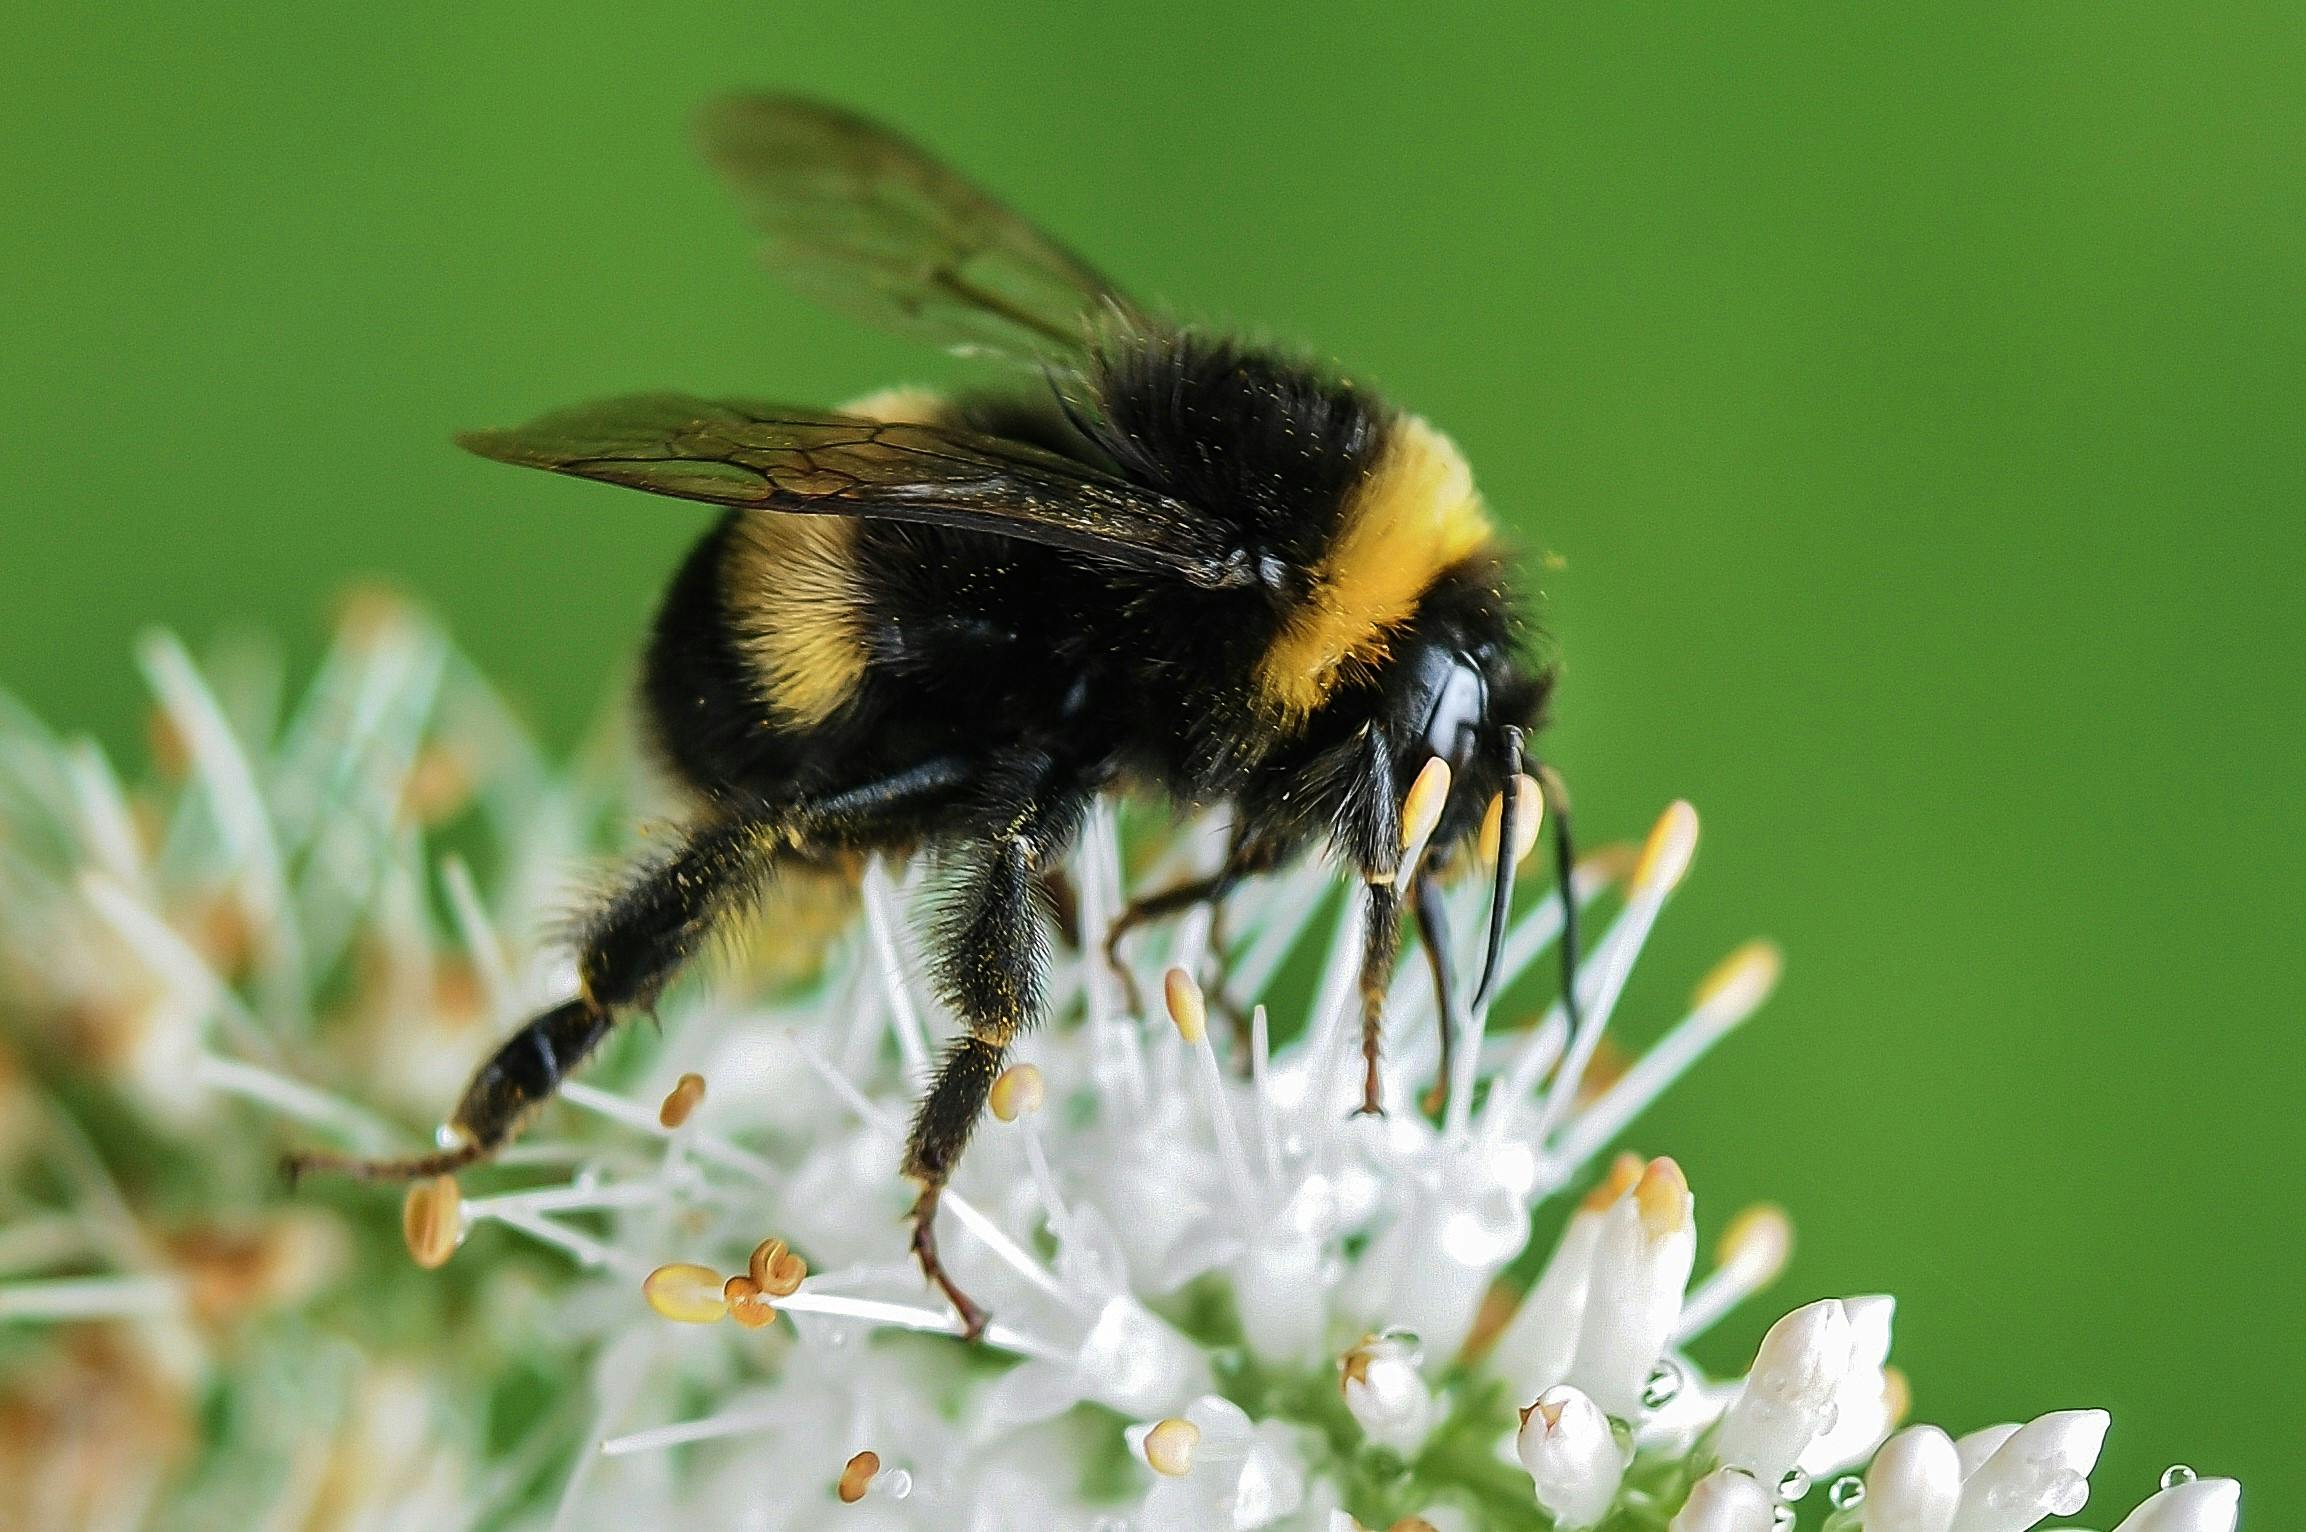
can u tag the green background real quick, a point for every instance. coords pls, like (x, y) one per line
(1912, 392)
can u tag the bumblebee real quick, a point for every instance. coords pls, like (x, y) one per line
(1172, 562)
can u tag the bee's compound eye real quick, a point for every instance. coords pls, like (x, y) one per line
(1460, 703)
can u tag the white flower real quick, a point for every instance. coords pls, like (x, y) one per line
(1915, 1484)
(2041, 1469)
(1234, 1474)
(1726, 1500)
(1572, 1456)
(1386, 1394)
(1641, 1266)
(1192, 1232)
(1789, 1397)
(2191, 1505)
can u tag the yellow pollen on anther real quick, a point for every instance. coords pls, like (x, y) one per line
(432, 1220)
(1018, 1092)
(748, 1305)
(1186, 1006)
(1169, 1447)
(1662, 1196)
(1421, 809)
(1624, 1174)
(1762, 1234)
(681, 1100)
(857, 1476)
(685, 1292)
(775, 1270)
(1529, 815)
(1665, 856)
(1743, 980)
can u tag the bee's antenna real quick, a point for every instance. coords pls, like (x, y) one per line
(1501, 894)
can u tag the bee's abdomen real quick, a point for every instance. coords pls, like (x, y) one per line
(699, 686)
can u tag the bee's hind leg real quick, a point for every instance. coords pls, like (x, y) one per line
(649, 930)
(992, 957)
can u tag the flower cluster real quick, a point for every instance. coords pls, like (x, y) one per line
(1220, 1298)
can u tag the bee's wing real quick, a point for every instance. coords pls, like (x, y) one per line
(771, 458)
(865, 221)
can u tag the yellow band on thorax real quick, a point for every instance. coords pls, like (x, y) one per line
(1414, 515)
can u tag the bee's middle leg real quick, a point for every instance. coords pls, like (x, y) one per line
(992, 956)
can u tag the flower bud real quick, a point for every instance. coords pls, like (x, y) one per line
(1866, 1403)
(2198, 1505)
(1726, 1501)
(2042, 1470)
(1641, 1265)
(1915, 1483)
(1387, 1394)
(1788, 1399)
(1573, 1459)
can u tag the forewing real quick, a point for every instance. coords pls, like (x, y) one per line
(768, 457)
(866, 221)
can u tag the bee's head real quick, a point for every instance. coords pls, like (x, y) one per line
(1458, 695)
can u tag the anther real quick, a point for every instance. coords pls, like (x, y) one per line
(685, 1292)
(681, 1100)
(775, 1270)
(1743, 980)
(1662, 1195)
(1528, 818)
(1018, 1092)
(1666, 855)
(1421, 809)
(1624, 1174)
(1169, 1447)
(857, 1476)
(432, 1220)
(1187, 1008)
(747, 1304)
(1761, 1235)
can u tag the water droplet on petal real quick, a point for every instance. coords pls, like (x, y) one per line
(2177, 1474)
(1782, 1519)
(1794, 1485)
(2067, 1495)
(1662, 1386)
(1846, 1493)
(895, 1483)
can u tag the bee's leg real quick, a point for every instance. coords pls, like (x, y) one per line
(648, 931)
(1242, 860)
(1433, 934)
(992, 956)
(1380, 947)
(664, 915)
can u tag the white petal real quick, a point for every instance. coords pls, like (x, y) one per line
(1915, 1483)
(1534, 1350)
(2042, 1470)
(1641, 1266)
(1726, 1501)
(2203, 1505)
(1134, 1363)
(1789, 1398)
(1573, 1459)
(1865, 1407)
(1981, 1444)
